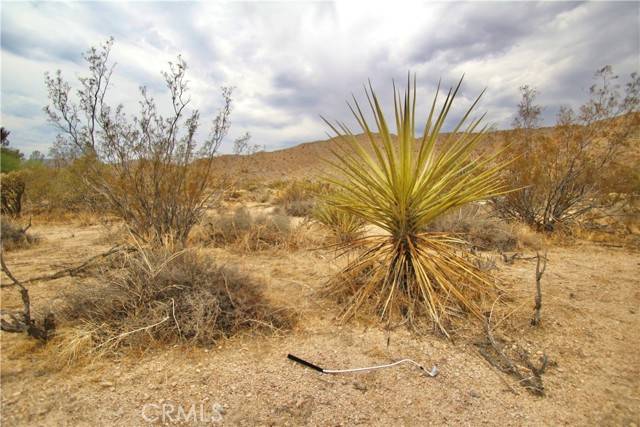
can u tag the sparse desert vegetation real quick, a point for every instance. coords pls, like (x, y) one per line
(141, 266)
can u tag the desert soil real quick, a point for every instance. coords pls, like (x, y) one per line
(590, 328)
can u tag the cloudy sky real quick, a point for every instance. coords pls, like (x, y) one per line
(291, 62)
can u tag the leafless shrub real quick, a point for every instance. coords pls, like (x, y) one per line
(511, 358)
(149, 168)
(169, 297)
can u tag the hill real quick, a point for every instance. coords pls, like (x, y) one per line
(306, 160)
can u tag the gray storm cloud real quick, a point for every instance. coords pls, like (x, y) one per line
(291, 62)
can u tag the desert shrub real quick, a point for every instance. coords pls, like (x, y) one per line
(298, 197)
(260, 195)
(10, 158)
(11, 192)
(58, 190)
(13, 236)
(252, 233)
(478, 228)
(155, 295)
(150, 168)
(406, 272)
(568, 171)
(344, 226)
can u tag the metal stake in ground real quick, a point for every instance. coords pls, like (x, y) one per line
(432, 373)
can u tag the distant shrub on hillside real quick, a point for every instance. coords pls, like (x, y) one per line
(298, 197)
(55, 190)
(565, 172)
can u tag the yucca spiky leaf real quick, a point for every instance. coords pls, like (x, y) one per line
(400, 184)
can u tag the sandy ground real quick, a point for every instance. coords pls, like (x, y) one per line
(590, 328)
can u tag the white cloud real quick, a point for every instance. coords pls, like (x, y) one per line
(291, 62)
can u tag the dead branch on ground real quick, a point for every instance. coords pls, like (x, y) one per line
(27, 323)
(495, 351)
(24, 322)
(539, 272)
(74, 271)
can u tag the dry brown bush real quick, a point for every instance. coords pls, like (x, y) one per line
(486, 232)
(54, 191)
(13, 236)
(298, 198)
(245, 232)
(12, 188)
(156, 295)
(568, 171)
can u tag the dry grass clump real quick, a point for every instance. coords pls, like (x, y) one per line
(298, 198)
(344, 226)
(260, 194)
(154, 295)
(476, 227)
(485, 231)
(249, 233)
(13, 236)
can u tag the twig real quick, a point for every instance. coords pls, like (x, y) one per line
(133, 332)
(173, 310)
(488, 360)
(24, 230)
(539, 272)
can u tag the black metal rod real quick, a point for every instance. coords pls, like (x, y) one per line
(305, 363)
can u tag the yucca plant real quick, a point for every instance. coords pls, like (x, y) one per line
(400, 184)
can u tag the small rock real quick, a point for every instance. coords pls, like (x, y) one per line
(360, 386)
(299, 402)
(474, 394)
(42, 411)
(106, 384)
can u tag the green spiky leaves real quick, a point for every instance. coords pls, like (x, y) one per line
(400, 184)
